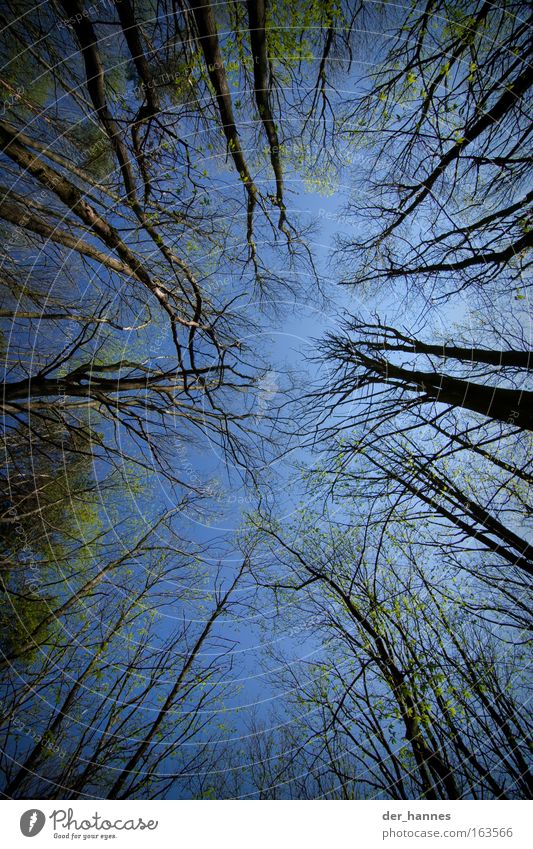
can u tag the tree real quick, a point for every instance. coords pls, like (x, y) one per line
(448, 111)
(161, 167)
(360, 362)
(400, 689)
(110, 661)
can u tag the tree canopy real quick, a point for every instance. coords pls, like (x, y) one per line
(267, 405)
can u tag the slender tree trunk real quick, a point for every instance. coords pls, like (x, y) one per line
(141, 750)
